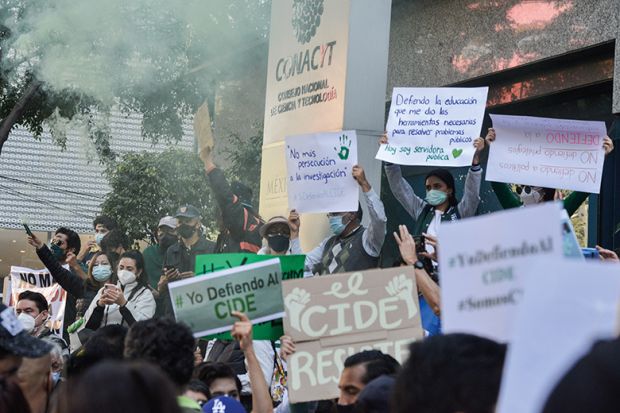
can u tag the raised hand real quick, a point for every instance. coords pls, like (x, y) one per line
(608, 145)
(406, 245)
(360, 177)
(490, 136)
(35, 241)
(287, 347)
(242, 331)
(294, 223)
(607, 255)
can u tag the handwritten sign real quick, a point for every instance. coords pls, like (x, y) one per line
(552, 153)
(40, 281)
(205, 304)
(575, 304)
(319, 172)
(433, 126)
(333, 317)
(292, 266)
(483, 262)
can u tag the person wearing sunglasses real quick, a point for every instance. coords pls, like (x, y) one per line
(525, 195)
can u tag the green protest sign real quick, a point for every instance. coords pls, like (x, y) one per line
(205, 304)
(292, 267)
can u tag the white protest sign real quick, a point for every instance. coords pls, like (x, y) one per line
(482, 263)
(433, 126)
(552, 153)
(319, 174)
(39, 281)
(333, 317)
(575, 303)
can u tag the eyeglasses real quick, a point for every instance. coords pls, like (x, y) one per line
(526, 189)
(275, 234)
(57, 242)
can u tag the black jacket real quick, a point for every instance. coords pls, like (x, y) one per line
(241, 222)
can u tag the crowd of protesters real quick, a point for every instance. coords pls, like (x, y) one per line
(121, 349)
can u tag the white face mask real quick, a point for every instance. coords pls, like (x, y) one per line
(27, 321)
(126, 277)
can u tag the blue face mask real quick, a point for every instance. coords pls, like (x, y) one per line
(55, 377)
(336, 225)
(98, 237)
(436, 197)
(57, 252)
(102, 272)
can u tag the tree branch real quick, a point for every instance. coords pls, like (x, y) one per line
(16, 113)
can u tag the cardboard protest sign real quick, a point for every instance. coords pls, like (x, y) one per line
(552, 153)
(483, 262)
(40, 281)
(292, 266)
(333, 317)
(319, 172)
(575, 304)
(205, 304)
(433, 126)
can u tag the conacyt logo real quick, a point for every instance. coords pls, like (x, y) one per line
(306, 18)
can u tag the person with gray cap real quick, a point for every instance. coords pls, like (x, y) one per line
(180, 258)
(155, 254)
(16, 343)
(282, 235)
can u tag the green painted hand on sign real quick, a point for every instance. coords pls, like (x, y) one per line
(345, 144)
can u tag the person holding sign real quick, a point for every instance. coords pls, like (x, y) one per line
(351, 247)
(528, 195)
(440, 203)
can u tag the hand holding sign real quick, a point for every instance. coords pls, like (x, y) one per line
(608, 145)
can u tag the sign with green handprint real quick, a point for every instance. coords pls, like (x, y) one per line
(330, 318)
(319, 172)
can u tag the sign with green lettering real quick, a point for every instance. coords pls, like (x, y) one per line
(292, 267)
(205, 304)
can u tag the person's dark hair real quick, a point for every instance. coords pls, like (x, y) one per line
(197, 386)
(117, 387)
(591, 384)
(11, 397)
(360, 213)
(448, 179)
(208, 372)
(73, 239)
(106, 343)
(114, 239)
(242, 191)
(386, 365)
(548, 194)
(38, 298)
(165, 343)
(107, 222)
(363, 357)
(450, 373)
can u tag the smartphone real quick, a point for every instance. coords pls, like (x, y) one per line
(27, 228)
(590, 253)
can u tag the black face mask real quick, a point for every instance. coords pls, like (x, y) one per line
(186, 231)
(348, 408)
(166, 241)
(278, 243)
